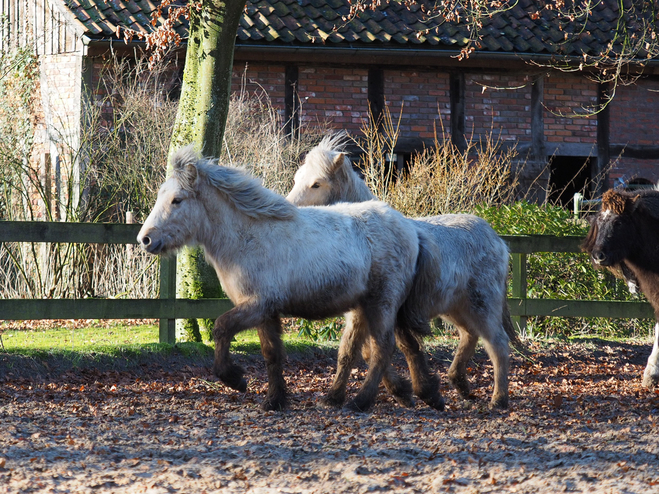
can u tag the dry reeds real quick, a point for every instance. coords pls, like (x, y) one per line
(442, 178)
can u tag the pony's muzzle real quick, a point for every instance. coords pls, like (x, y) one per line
(149, 245)
(600, 258)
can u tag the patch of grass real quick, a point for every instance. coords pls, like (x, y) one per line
(124, 341)
(84, 339)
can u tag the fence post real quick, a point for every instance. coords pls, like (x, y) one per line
(519, 287)
(167, 330)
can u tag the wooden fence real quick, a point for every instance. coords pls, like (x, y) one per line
(168, 308)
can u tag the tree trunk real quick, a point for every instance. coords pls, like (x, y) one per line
(200, 120)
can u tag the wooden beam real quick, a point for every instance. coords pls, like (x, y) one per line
(528, 244)
(28, 309)
(457, 97)
(376, 93)
(537, 120)
(74, 233)
(580, 308)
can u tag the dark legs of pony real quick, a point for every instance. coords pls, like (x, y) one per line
(360, 324)
(471, 326)
(238, 319)
(424, 382)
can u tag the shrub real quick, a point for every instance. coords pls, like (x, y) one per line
(562, 275)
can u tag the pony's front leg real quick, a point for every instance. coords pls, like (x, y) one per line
(651, 374)
(272, 350)
(424, 382)
(227, 326)
(352, 339)
(398, 386)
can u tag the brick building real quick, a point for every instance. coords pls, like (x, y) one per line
(315, 66)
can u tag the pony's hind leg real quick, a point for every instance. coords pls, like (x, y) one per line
(495, 340)
(457, 373)
(651, 373)
(381, 327)
(498, 349)
(226, 327)
(424, 382)
(353, 338)
(272, 350)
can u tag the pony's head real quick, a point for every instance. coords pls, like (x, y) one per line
(324, 174)
(199, 196)
(171, 223)
(623, 225)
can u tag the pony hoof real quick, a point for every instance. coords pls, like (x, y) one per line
(434, 401)
(233, 377)
(332, 401)
(499, 403)
(274, 404)
(404, 401)
(650, 382)
(461, 385)
(358, 406)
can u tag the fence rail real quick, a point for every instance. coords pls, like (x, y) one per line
(168, 308)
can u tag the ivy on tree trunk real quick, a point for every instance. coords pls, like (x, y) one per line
(200, 120)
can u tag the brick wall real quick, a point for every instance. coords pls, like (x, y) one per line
(498, 105)
(61, 86)
(61, 92)
(634, 121)
(337, 95)
(424, 100)
(567, 98)
(260, 79)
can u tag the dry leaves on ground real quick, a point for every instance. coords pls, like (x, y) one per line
(579, 421)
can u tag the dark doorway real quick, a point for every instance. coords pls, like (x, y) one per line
(569, 175)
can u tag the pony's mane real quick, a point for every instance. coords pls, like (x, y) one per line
(324, 152)
(244, 191)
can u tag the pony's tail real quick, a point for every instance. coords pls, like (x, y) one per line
(510, 330)
(413, 314)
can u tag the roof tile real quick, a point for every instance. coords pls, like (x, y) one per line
(523, 28)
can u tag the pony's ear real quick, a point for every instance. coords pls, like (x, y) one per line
(648, 204)
(337, 163)
(190, 173)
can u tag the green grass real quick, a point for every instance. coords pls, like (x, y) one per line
(79, 339)
(121, 339)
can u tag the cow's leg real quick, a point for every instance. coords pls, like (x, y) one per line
(272, 349)
(229, 324)
(651, 374)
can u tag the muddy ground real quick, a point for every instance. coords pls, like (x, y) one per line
(579, 421)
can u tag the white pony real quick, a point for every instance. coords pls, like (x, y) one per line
(273, 258)
(467, 282)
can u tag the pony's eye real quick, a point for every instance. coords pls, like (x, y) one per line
(316, 185)
(177, 200)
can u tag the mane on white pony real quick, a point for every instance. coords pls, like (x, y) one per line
(327, 175)
(245, 192)
(322, 156)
